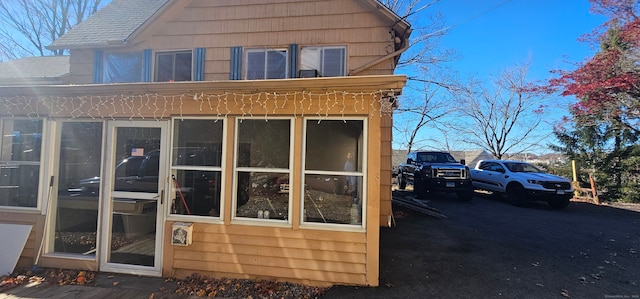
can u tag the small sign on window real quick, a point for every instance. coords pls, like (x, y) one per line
(137, 152)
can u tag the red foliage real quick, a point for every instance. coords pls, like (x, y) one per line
(610, 73)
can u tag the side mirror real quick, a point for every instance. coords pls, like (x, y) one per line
(463, 162)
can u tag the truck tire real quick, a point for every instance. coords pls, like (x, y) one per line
(516, 195)
(402, 183)
(419, 189)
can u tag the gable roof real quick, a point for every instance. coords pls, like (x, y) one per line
(42, 69)
(113, 25)
(119, 21)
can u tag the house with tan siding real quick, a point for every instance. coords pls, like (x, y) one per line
(241, 139)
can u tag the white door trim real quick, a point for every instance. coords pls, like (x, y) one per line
(108, 193)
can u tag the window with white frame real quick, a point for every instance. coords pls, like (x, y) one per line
(265, 64)
(123, 67)
(173, 66)
(20, 149)
(79, 167)
(262, 169)
(333, 171)
(328, 61)
(196, 167)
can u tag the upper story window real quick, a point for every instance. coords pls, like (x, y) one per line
(126, 67)
(327, 61)
(265, 64)
(123, 67)
(173, 66)
(20, 148)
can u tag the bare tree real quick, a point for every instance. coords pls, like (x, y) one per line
(424, 48)
(28, 26)
(422, 108)
(503, 118)
(425, 99)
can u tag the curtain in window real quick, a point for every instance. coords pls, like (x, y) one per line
(123, 67)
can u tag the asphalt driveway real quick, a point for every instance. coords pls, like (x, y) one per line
(490, 249)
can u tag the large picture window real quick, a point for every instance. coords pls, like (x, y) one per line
(328, 61)
(173, 66)
(333, 172)
(20, 149)
(123, 67)
(196, 167)
(79, 160)
(262, 169)
(265, 64)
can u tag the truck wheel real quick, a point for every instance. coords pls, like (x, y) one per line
(465, 195)
(402, 183)
(559, 204)
(516, 195)
(419, 189)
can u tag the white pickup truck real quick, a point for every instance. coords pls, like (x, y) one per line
(521, 182)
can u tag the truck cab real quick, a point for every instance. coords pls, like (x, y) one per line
(433, 171)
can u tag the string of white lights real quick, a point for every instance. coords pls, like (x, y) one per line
(159, 107)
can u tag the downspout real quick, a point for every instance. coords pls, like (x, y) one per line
(388, 56)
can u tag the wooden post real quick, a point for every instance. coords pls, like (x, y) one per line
(576, 192)
(593, 190)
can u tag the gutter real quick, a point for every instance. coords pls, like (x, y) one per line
(379, 60)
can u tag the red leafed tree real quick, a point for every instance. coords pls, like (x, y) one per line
(605, 133)
(609, 83)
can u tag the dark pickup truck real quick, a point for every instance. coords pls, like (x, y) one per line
(435, 172)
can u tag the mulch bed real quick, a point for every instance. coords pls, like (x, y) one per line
(194, 285)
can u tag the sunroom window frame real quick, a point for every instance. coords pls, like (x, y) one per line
(43, 167)
(288, 223)
(362, 174)
(222, 169)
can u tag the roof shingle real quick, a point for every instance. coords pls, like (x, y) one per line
(115, 23)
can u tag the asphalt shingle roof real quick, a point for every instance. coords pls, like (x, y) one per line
(115, 23)
(35, 67)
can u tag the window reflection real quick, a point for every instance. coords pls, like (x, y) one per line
(328, 200)
(79, 167)
(263, 195)
(196, 161)
(333, 172)
(20, 148)
(262, 169)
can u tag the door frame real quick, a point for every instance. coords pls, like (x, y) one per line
(108, 192)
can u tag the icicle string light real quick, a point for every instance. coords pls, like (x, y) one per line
(160, 107)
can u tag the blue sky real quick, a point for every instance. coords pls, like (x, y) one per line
(492, 35)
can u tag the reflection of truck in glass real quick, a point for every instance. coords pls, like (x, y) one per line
(200, 188)
(435, 171)
(135, 174)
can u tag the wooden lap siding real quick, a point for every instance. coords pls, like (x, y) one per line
(308, 256)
